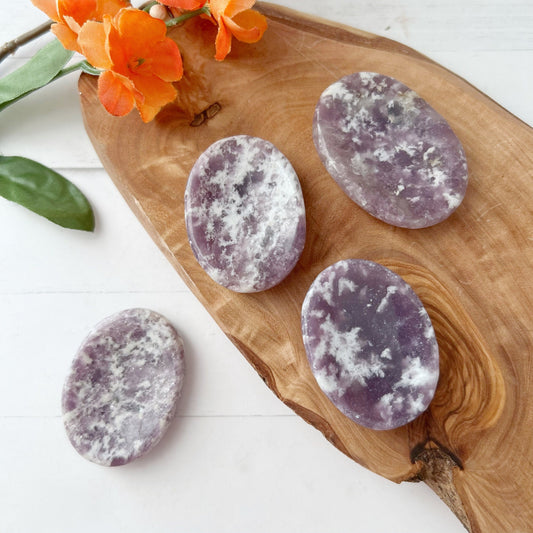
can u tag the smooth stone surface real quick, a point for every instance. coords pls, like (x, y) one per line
(389, 151)
(370, 344)
(245, 214)
(121, 393)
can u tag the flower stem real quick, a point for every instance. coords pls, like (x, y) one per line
(68, 70)
(86, 67)
(148, 6)
(12, 46)
(189, 15)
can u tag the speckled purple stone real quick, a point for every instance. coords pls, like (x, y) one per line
(370, 344)
(245, 214)
(389, 151)
(121, 392)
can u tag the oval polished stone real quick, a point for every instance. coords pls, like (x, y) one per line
(121, 392)
(245, 214)
(370, 344)
(390, 152)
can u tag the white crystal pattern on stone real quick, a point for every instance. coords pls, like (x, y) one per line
(123, 385)
(370, 344)
(245, 214)
(389, 151)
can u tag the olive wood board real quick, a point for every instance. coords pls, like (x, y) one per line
(473, 272)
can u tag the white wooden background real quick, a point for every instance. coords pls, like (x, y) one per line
(235, 459)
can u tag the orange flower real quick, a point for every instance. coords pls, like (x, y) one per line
(71, 15)
(235, 18)
(139, 61)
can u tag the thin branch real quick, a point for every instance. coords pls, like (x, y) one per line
(12, 46)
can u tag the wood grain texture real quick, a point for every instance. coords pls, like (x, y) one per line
(474, 445)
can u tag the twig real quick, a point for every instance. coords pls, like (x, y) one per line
(12, 46)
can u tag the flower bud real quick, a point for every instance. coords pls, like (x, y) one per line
(159, 12)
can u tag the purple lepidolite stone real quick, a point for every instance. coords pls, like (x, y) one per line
(245, 214)
(121, 392)
(370, 344)
(389, 151)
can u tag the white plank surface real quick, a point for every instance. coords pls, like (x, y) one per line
(235, 459)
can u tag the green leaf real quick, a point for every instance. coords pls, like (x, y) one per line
(37, 72)
(45, 192)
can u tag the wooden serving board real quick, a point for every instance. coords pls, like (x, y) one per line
(473, 272)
